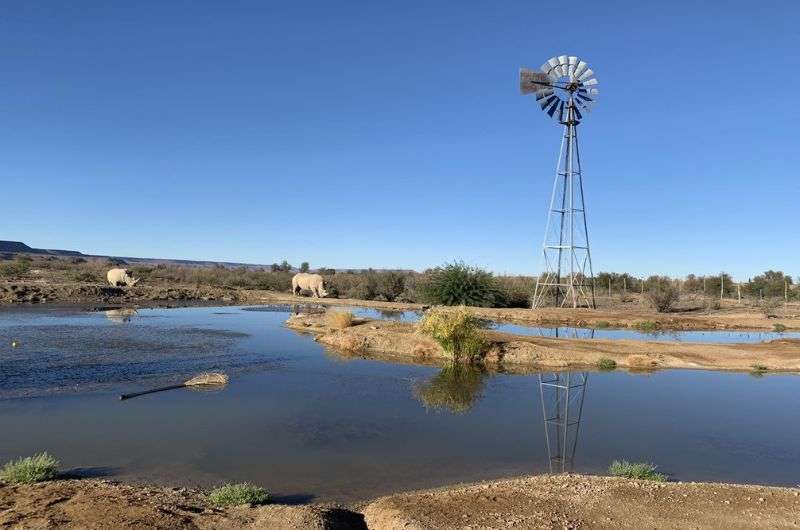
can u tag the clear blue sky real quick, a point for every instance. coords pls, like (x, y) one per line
(392, 134)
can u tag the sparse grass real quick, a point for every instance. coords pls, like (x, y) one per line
(637, 470)
(758, 368)
(30, 470)
(607, 364)
(339, 319)
(601, 324)
(769, 306)
(780, 328)
(456, 330)
(238, 494)
(647, 326)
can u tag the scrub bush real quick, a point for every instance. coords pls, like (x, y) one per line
(457, 331)
(30, 470)
(459, 284)
(238, 494)
(638, 470)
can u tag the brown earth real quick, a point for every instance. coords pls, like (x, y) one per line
(546, 501)
(614, 314)
(80, 504)
(578, 501)
(399, 340)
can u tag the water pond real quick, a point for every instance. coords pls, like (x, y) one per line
(311, 424)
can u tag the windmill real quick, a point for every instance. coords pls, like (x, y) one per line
(566, 89)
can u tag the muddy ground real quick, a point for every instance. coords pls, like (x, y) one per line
(545, 501)
(516, 353)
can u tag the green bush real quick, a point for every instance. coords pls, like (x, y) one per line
(18, 267)
(647, 326)
(459, 284)
(238, 494)
(780, 328)
(457, 331)
(516, 291)
(455, 388)
(607, 364)
(638, 470)
(601, 324)
(30, 470)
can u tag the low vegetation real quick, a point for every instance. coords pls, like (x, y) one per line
(647, 326)
(457, 331)
(238, 495)
(637, 470)
(607, 364)
(30, 470)
(780, 328)
(770, 307)
(339, 319)
(663, 297)
(601, 324)
(759, 368)
(19, 267)
(458, 284)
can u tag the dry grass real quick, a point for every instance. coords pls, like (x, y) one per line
(339, 319)
(641, 361)
(457, 330)
(208, 379)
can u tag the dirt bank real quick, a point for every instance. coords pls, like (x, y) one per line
(45, 290)
(517, 353)
(577, 501)
(546, 501)
(83, 504)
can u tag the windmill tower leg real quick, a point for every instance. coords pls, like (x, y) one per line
(562, 396)
(567, 277)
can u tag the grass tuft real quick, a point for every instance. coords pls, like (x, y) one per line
(601, 324)
(238, 494)
(637, 470)
(30, 470)
(780, 328)
(759, 368)
(339, 319)
(457, 331)
(647, 326)
(607, 364)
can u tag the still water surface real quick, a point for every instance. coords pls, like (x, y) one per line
(310, 424)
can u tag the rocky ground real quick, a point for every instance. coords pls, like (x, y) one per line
(546, 501)
(399, 341)
(578, 501)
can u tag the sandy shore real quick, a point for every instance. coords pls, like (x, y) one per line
(398, 340)
(545, 501)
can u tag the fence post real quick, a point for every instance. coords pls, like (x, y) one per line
(609, 286)
(739, 293)
(624, 285)
(721, 286)
(785, 291)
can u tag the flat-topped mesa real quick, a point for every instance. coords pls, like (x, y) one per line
(401, 340)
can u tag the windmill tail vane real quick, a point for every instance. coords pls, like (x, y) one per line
(566, 90)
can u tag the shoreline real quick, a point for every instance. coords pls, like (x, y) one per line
(534, 501)
(739, 318)
(390, 340)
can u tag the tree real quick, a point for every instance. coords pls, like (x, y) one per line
(274, 267)
(304, 267)
(285, 266)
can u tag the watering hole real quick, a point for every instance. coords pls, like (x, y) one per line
(309, 424)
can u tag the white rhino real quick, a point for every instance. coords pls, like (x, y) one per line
(120, 278)
(309, 282)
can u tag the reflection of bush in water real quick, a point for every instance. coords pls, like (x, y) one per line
(455, 388)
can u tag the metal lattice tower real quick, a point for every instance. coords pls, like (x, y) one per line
(562, 396)
(565, 88)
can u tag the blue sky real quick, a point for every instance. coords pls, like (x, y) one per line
(392, 134)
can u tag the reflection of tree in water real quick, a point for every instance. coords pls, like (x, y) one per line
(455, 389)
(390, 314)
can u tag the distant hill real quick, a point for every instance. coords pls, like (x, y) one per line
(17, 247)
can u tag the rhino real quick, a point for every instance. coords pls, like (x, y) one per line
(309, 282)
(121, 278)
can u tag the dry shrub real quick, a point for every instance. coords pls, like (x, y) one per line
(339, 319)
(663, 298)
(350, 342)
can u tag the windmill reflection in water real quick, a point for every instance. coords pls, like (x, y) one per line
(562, 396)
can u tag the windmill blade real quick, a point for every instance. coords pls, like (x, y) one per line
(552, 62)
(577, 113)
(531, 81)
(590, 82)
(547, 102)
(580, 68)
(572, 61)
(586, 75)
(554, 108)
(546, 92)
